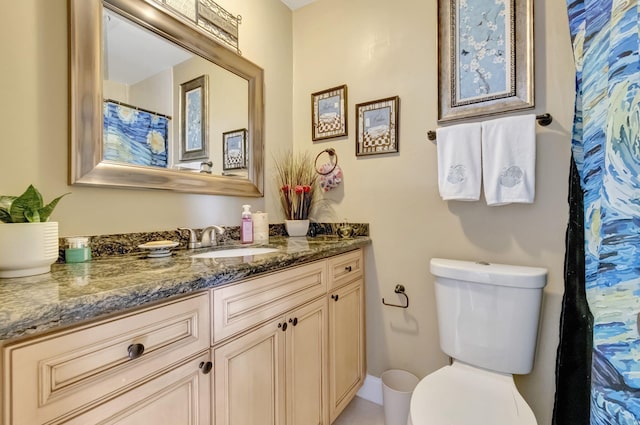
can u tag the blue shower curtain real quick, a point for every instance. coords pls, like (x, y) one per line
(606, 149)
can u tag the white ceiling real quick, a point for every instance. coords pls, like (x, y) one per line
(296, 4)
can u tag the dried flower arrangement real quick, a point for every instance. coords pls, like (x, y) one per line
(296, 178)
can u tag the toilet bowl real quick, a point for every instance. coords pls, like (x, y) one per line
(488, 324)
(461, 394)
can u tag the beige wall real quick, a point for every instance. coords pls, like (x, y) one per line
(381, 49)
(34, 119)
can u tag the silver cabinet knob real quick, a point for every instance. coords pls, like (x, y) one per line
(135, 351)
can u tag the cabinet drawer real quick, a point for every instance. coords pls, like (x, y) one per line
(241, 306)
(60, 374)
(344, 268)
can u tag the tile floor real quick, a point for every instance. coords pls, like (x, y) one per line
(361, 412)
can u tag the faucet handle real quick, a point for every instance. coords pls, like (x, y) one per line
(208, 236)
(193, 237)
(218, 229)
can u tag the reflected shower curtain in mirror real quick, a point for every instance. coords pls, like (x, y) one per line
(606, 148)
(134, 136)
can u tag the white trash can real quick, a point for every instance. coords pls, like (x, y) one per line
(397, 387)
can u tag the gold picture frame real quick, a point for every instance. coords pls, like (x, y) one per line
(234, 150)
(377, 126)
(329, 113)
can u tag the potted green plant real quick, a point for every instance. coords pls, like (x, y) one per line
(296, 177)
(28, 240)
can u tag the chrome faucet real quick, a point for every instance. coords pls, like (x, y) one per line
(207, 236)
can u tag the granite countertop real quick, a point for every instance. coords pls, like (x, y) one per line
(72, 293)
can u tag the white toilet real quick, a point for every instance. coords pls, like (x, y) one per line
(488, 322)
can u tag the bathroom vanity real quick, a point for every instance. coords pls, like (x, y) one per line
(269, 339)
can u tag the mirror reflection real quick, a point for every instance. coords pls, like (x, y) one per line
(165, 107)
(177, 124)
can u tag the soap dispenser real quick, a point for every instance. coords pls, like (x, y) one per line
(246, 227)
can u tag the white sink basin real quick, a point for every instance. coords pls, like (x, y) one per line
(235, 252)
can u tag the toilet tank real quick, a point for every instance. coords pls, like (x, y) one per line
(488, 313)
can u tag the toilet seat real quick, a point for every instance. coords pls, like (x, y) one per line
(461, 394)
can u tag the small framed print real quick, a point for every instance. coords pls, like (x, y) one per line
(194, 135)
(234, 149)
(329, 113)
(377, 129)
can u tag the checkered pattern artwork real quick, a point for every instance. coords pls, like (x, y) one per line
(329, 124)
(378, 141)
(234, 149)
(377, 130)
(328, 113)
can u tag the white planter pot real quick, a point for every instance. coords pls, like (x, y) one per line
(297, 227)
(27, 249)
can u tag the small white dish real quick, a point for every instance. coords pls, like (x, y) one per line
(159, 245)
(159, 253)
(158, 249)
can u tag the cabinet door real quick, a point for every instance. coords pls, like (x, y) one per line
(346, 345)
(180, 396)
(307, 365)
(249, 377)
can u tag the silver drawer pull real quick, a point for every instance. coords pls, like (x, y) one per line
(135, 351)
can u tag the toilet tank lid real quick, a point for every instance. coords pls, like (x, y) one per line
(490, 273)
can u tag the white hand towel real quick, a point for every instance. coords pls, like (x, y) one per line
(459, 166)
(509, 159)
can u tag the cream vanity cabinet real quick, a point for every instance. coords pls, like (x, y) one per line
(150, 366)
(347, 367)
(275, 342)
(286, 348)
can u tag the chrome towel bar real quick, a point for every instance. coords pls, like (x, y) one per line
(543, 120)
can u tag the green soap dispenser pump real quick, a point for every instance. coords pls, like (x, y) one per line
(246, 226)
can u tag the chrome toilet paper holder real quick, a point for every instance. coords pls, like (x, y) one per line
(399, 289)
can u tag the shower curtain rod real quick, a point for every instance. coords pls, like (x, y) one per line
(117, 102)
(543, 120)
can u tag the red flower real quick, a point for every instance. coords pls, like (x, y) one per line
(299, 189)
(285, 188)
(306, 188)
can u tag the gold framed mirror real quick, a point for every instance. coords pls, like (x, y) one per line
(88, 86)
